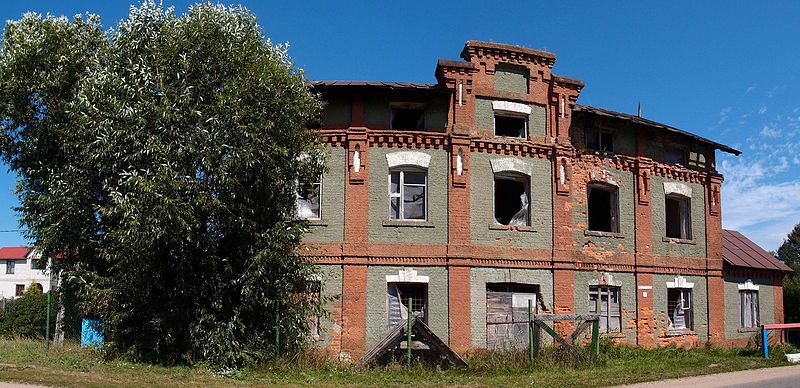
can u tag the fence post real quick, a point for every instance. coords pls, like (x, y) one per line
(765, 341)
(595, 339)
(531, 341)
(47, 328)
(410, 311)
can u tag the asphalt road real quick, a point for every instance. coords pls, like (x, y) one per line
(781, 377)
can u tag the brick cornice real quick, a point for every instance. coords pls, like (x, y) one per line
(515, 148)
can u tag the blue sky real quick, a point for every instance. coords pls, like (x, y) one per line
(726, 70)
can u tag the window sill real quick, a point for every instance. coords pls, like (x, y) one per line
(517, 138)
(679, 332)
(316, 222)
(673, 240)
(595, 233)
(529, 229)
(748, 329)
(408, 223)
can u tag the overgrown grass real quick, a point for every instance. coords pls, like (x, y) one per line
(26, 361)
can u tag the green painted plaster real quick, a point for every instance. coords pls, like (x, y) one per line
(331, 277)
(511, 78)
(331, 227)
(540, 234)
(699, 304)
(434, 231)
(625, 240)
(377, 314)
(766, 307)
(484, 118)
(479, 277)
(698, 246)
(627, 284)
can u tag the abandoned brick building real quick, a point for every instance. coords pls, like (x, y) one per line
(492, 187)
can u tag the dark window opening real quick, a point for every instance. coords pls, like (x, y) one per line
(609, 304)
(408, 119)
(511, 202)
(19, 290)
(678, 217)
(603, 209)
(599, 140)
(679, 308)
(397, 303)
(511, 126)
(675, 156)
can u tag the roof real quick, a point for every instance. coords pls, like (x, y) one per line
(739, 251)
(376, 84)
(653, 124)
(14, 253)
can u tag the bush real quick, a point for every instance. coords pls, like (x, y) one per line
(26, 316)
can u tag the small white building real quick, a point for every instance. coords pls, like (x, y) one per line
(20, 267)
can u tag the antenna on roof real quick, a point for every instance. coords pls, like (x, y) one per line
(639, 110)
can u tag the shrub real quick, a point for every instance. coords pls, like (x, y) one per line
(26, 316)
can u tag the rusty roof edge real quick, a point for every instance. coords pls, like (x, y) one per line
(654, 124)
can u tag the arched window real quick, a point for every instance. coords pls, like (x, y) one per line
(603, 207)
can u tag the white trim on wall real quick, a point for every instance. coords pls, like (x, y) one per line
(513, 107)
(748, 286)
(677, 188)
(408, 158)
(407, 275)
(680, 282)
(511, 165)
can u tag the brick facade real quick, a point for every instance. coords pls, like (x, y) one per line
(460, 235)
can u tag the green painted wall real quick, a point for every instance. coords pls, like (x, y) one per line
(482, 205)
(627, 284)
(484, 118)
(432, 232)
(480, 276)
(377, 318)
(331, 227)
(337, 110)
(698, 249)
(699, 301)
(766, 306)
(626, 240)
(331, 277)
(510, 78)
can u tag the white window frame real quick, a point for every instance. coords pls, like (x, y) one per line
(514, 115)
(316, 183)
(755, 308)
(401, 192)
(607, 290)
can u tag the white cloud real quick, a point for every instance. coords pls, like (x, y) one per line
(762, 110)
(768, 131)
(750, 89)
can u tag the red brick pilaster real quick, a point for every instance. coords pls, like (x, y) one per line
(563, 223)
(777, 299)
(459, 306)
(354, 311)
(645, 318)
(716, 309)
(356, 200)
(563, 297)
(459, 193)
(716, 286)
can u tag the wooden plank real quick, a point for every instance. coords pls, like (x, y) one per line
(579, 330)
(782, 326)
(567, 317)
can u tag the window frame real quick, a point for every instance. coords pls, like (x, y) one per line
(401, 192)
(11, 267)
(516, 177)
(685, 214)
(597, 143)
(755, 309)
(599, 291)
(682, 305)
(19, 289)
(417, 106)
(317, 183)
(507, 114)
(425, 290)
(613, 206)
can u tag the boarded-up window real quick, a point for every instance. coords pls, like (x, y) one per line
(397, 302)
(607, 298)
(507, 315)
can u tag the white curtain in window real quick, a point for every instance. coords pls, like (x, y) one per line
(521, 217)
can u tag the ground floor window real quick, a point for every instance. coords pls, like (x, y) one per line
(19, 290)
(679, 308)
(397, 302)
(507, 314)
(607, 299)
(749, 308)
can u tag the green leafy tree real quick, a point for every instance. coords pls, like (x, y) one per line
(789, 253)
(160, 160)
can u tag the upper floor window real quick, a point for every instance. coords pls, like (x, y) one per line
(511, 125)
(10, 267)
(606, 298)
(408, 116)
(308, 203)
(675, 156)
(749, 308)
(603, 207)
(408, 194)
(679, 308)
(599, 140)
(512, 199)
(678, 216)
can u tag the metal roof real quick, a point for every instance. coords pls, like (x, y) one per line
(651, 123)
(14, 253)
(377, 84)
(739, 251)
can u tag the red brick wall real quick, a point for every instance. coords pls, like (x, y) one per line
(645, 322)
(459, 307)
(354, 310)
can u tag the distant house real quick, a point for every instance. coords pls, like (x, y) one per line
(19, 268)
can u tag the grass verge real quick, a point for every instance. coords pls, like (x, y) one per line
(25, 361)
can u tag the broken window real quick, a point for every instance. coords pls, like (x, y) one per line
(408, 195)
(679, 308)
(507, 314)
(599, 140)
(10, 266)
(603, 208)
(512, 199)
(308, 200)
(397, 302)
(749, 308)
(511, 126)
(610, 312)
(408, 118)
(19, 290)
(678, 216)
(674, 156)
